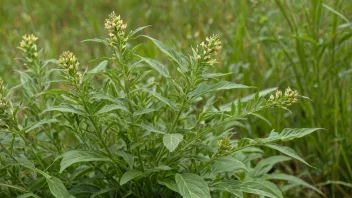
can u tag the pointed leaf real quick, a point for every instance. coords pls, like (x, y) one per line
(227, 187)
(100, 67)
(171, 141)
(265, 165)
(294, 180)
(68, 109)
(171, 184)
(76, 156)
(262, 188)
(97, 40)
(157, 66)
(57, 188)
(166, 50)
(151, 128)
(160, 98)
(130, 175)
(228, 164)
(192, 186)
(40, 123)
(286, 150)
(112, 107)
(222, 85)
(290, 134)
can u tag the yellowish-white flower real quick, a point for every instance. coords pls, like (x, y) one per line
(70, 64)
(206, 51)
(117, 30)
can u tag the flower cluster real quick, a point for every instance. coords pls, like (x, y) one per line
(284, 100)
(208, 50)
(70, 64)
(114, 24)
(30, 48)
(2, 99)
(224, 147)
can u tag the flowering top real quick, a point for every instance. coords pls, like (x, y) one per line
(70, 64)
(224, 147)
(114, 24)
(29, 47)
(287, 99)
(68, 61)
(208, 50)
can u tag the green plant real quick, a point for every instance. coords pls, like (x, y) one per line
(132, 129)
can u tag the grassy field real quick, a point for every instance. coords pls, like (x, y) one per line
(306, 45)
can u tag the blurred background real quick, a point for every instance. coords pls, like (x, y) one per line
(304, 44)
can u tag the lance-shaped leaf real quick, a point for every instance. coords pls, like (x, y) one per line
(204, 88)
(157, 66)
(288, 151)
(192, 186)
(57, 188)
(293, 179)
(130, 175)
(76, 156)
(228, 164)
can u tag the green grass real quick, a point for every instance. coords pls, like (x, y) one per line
(303, 44)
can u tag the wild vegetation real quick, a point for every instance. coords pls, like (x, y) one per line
(189, 114)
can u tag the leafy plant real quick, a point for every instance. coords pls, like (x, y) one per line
(131, 128)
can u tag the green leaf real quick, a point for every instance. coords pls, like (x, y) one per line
(57, 188)
(76, 156)
(288, 151)
(204, 88)
(97, 40)
(53, 92)
(102, 192)
(151, 128)
(215, 75)
(40, 123)
(192, 186)
(294, 180)
(161, 98)
(28, 195)
(262, 188)
(290, 134)
(13, 187)
(130, 175)
(265, 165)
(262, 93)
(126, 156)
(171, 141)
(171, 184)
(100, 67)
(26, 163)
(228, 164)
(143, 111)
(226, 187)
(66, 109)
(157, 66)
(111, 107)
(167, 50)
(138, 30)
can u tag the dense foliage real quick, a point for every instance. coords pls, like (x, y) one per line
(131, 128)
